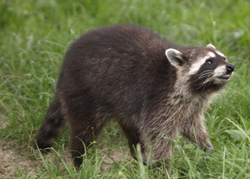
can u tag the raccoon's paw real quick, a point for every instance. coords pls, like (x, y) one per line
(209, 148)
(44, 147)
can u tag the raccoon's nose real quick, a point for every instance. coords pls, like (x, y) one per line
(230, 67)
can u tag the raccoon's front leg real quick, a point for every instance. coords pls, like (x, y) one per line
(134, 138)
(196, 132)
(162, 153)
(85, 127)
(82, 135)
(161, 141)
(52, 125)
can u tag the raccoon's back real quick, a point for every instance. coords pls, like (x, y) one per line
(121, 64)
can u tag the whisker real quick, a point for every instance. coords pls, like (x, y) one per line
(206, 84)
(203, 75)
(237, 75)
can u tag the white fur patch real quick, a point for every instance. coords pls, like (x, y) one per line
(217, 51)
(221, 54)
(196, 66)
(211, 54)
(219, 71)
(211, 46)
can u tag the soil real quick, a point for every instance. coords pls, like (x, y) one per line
(15, 162)
(12, 162)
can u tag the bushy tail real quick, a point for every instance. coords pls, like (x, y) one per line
(51, 126)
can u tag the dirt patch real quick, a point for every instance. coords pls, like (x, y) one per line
(11, 161)
(113, 157)
(16, 161)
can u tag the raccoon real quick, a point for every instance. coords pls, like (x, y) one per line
(155, 89)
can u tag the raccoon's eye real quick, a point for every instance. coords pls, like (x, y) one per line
(209, 62)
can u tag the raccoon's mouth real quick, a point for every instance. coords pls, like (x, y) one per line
(225, 77)
(222, 79)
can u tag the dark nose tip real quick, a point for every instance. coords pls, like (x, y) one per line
(230, 67)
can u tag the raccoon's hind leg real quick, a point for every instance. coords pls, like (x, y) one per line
(52, 124)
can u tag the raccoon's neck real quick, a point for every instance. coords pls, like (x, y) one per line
(183, 94)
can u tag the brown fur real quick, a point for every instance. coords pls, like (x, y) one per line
(122, 72)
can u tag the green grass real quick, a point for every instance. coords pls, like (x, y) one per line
(34, 35)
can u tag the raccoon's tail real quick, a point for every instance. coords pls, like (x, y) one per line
(51, 127)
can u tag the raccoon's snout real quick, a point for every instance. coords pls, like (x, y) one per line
(230, 68)
(223, 73)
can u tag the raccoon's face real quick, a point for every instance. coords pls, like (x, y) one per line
(202, 69)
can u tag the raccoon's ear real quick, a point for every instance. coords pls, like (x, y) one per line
(175, 57)
(211, 46)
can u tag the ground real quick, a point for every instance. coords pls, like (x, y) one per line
(11, 160)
